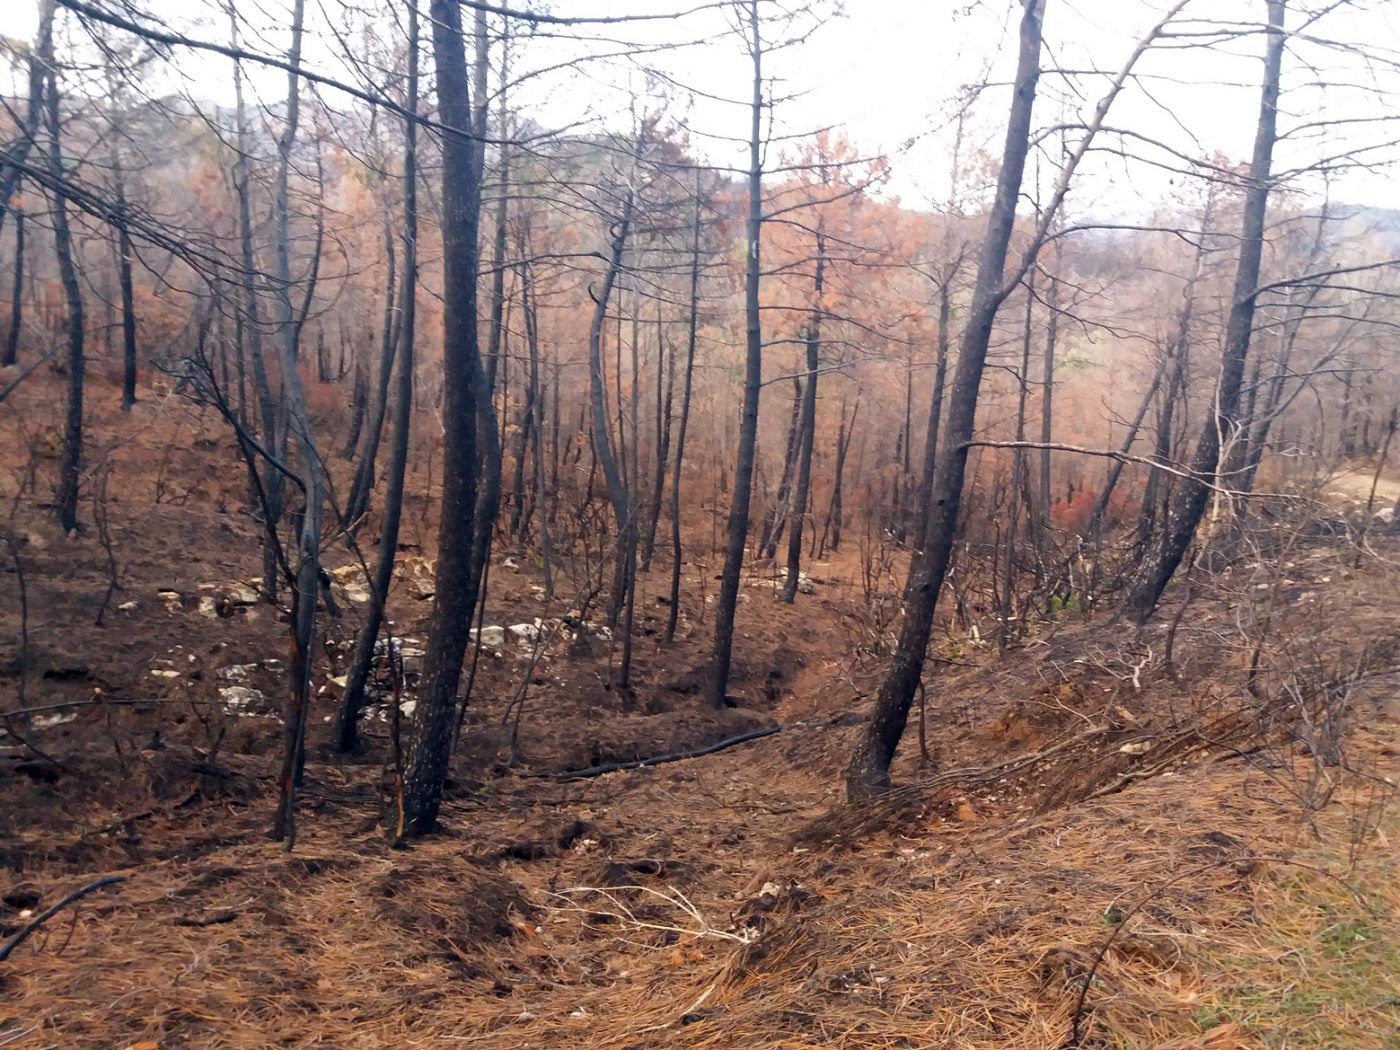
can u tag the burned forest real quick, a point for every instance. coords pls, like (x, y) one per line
(731, 523)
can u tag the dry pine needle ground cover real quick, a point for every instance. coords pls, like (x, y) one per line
(1105, 852)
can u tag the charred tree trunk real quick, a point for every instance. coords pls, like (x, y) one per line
(738, 531)
(16, 152)
(429, 742)
(692, 332)
(835, 513)
(358, 501)
(935, 412)
(353, 702)
(70, 465)
(807, 438)
(868, 771)
(11, 352)
(602, 440)
(1189, 501)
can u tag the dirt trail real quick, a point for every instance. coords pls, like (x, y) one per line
(1354, 486)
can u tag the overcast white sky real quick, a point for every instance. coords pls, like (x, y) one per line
(886, 70)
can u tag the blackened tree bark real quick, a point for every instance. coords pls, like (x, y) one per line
(297, 425)
(70, 465)
(1047, 410)
(807, 438)
(665, 402)
(429, 741)
(924, 498)
(123, 246)
(124, 253)
(11, 352)
(775, 518)
(602, 440)
(738, 530)
(250, 311)
(358, 501)
(868, 771)
(692, 331)
(489, 438)
(352, 703)
(835, 512)
(1189, 501)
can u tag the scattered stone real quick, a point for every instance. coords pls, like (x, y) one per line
(127, 607)
(171, 600)
(492, 637)
(240, 594)
(235, 672)
(526, 634)
(240, 699)
(350, 579)
(208, 607)
(164, 672)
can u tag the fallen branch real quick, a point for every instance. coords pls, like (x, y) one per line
(48, 913)
(656, 760)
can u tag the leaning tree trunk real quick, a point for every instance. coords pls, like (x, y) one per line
(868, 771)
(935, 411)
(429, 742)
(1189, 501)
(738, 531)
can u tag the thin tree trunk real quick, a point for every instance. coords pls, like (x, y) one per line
(665, 381)
(70, 467)
(16, 152)
(1047, 409)
(358, 501)
(835, 514)
(353, 702)
(935, 410)
(11, 354)
(738, 531)
(602, 441)
(692, 332)
(268, 411)
(308, 570)
(807, 439)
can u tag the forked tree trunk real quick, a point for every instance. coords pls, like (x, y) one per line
(868, 771)
(1189, 501)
